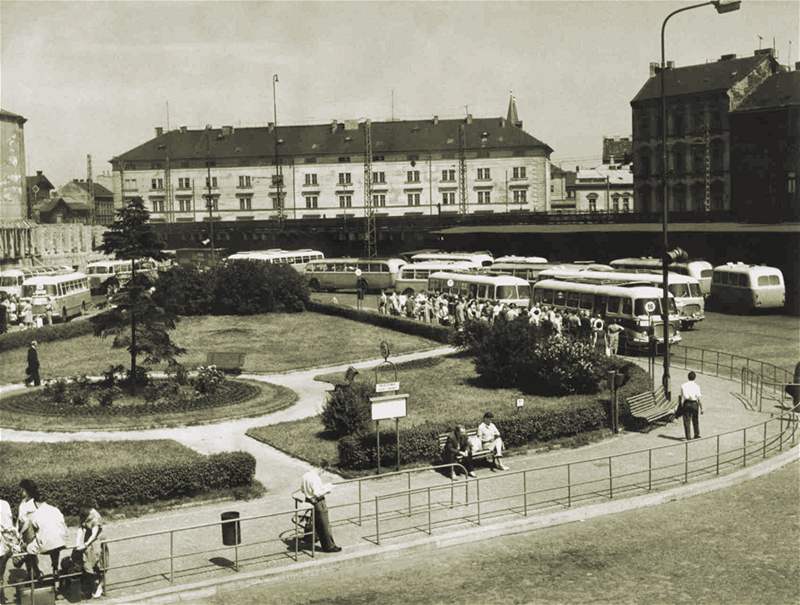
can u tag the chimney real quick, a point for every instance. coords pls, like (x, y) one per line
(334, 125)
(159, 131)
(227, 131)
(727, 57)
(271, 126)
(469, 118)
(38, 173)
(670, 64)
(653, 68)
(435, 120)
(764, 51)
(183, 128)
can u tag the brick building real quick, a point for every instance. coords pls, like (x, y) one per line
(416, 170)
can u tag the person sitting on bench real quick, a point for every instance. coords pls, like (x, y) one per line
(457, 450)
(490, 440)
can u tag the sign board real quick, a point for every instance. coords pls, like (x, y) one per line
(385, 387)
(358, 272)
(520, 402)
(450, 283)
(389, 406)
(649, 306)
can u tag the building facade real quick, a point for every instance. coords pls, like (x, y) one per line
(699, 100)
(419, 167)
(38, 188)
(562, 189)
(13, 197)
(606, 188)
(100, 206)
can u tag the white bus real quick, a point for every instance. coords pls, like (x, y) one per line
(627, 306)
(414, 276)
(747, 287)
(11, 280)
(699, 269)
(482, 259)
(686, 290)
(101, 273)
(68, 294)
(340, 273)
(502, 288)
(298, 259)
(524, 267)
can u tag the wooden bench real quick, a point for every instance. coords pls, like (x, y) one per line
(651, 406)
(481, 454)
(231, 362)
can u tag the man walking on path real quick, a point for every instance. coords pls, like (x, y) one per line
(690, 400)
(32, 370)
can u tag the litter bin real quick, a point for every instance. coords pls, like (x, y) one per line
(231, 531)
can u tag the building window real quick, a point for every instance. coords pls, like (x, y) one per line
(157, 184)
(130, 185)
(484, 174)
(449, 176)
(311, 201)
(344, 178)
(155, 165)
(185, 204)
(245, 203)
(791, 182)
(519, 172)
(277, 180)
(484, 197)
(184, 183)
(448, 198)
(412, 176)
(158, 204)
(377, 158)
(213, 203)
(379, 200)
(130, 166)
(413, 199)
(277, 201)
(345, 159)
(244, 183)
(345, 201)
(626, 204)
(615, 202)
(520, 196)
(310, 178)
(592, 197)
(212, 183)
(379, 177)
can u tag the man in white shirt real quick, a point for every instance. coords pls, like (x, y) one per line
(690, 400)
(490, 439)
(315, 491)
(6, 525)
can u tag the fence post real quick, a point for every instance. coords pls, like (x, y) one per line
(359, 502)
(171, 557)
(764, 446)
(610, 480)
(686, 462)
(685, 358)
(744, 447)
(429, 511)
(377, 523)
(702, 360)
(409, 493)
(780, 433)
(649, 470)
(525, 493)
(478, 492)
(717, 453)
(314, 531)
(569, 485)
(717, 363)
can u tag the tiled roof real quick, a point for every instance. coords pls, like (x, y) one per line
(99, 190)
(707, 77)
(8, 115)
(779, 90)
(408, 136)
(38, 179)
(51, 203)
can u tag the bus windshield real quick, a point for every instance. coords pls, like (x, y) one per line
(506, 292)
(694, 290)
(96, 270)
(640, 304)
(9, 280)
(681, 290)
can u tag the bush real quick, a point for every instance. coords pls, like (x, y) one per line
(60, 331)
(246, 287)
(184, 291)
(141, 484)
(562, 366)
(502, 351)
(208, 380)
(347, 409)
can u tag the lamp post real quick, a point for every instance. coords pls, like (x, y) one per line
(209, 197)
(278, 172)
(722, 6)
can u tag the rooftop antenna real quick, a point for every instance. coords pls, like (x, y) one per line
(466, 110)
(759, 41)
(392, 104)
(167, 116)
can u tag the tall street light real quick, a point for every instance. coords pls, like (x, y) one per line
(722, 6)
(278, 172)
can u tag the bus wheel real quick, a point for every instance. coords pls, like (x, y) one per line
(314, 285)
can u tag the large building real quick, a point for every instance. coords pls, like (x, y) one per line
(418, 167)
(700, 99)
(13, 197)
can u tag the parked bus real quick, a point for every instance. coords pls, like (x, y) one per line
(298, 259)
(482, 259)
(699, 269)
(747, 287)
(340, 273)
(110, 274)
(627, 306)
(502, 288)
(531, 267)
(414, 276)
(686, 290)
(11, 280)
(67, 293)
(199, 258)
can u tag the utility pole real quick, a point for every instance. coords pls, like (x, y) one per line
(370, 233)
(462, 170)
(209, 198)
(90, 189)
(278, 178)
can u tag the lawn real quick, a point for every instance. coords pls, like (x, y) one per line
(273, 343)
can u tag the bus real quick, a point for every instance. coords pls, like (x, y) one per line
(686, 290)
(627, 306)
(298, 259)
(699, 269)
(110, 274)
(747, 287)
(531, 267)
(11, 280)
(414, 276)
(505, 289)
(482, 259)
(340, 273)
(67, 293)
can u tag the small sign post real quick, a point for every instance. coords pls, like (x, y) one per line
(388, 406)
(520, 403)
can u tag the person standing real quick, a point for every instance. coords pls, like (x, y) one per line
(50, 532)
(383, 300)
(89, 548)
(361, 291)
(27, 315)
(490, 440)
(32, 371)
(48, 313)
(6, 528)
(690, 399)
(315, 491)
(612, 337)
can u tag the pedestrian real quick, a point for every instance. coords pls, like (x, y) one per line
(32, 371)
(38, 321)
(315, 491)
(48, 313)
(361, 291)
(383, 300)
(689, 401)
(27, 315)
(612, 337)
(89, 548)
(597, 329)
(457, 451)
(50, 537)
(6, 529)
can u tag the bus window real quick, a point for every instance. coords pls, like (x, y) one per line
(364, 267)
(506, 292)
(613, 303)
(558, 298)
(694, 290)
(586, 302)
(377, 268)
(681, 290)
(523, 292)
(572, 299)
(547, 297)
(627, 306)
(763, 280)
(706, 273)
(680, 270)
(473, 290)
(774, 280)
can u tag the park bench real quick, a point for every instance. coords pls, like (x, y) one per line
(481, 454)
(226, 361)
(651, 406)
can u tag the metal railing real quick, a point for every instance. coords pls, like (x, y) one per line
(755, 390)
(726, 365)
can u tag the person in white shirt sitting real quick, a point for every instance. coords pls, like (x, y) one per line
(689, 399)
(50, 536)
(490, 439)
(315, 491)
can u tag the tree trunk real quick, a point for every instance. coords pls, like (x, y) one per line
(133, 330)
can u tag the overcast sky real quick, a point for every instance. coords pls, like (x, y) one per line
(95, 77)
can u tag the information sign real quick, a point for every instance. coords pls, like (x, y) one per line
(386, 407)
(386, 387)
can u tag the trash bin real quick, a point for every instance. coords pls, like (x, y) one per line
(231, 531)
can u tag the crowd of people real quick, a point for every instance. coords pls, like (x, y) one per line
(455, 310)
(40, 530)
(16, 312)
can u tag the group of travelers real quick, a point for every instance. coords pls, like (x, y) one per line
(16, 312)
(40, 530)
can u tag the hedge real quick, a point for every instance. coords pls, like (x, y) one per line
(60, 331)
(141, 484)
(435, 332)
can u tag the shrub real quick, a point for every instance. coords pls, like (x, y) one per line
(562, 366)
(184, 291)
(56, 390)
(208, 380)
(141, 484)
(347, 409)
(503, 351)
(60, 331)
(245, 287)
(106, 396)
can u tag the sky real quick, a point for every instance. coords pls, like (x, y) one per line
(95, 78)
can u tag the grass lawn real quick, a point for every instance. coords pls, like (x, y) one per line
(440, 389)
(273, 343)
(271, 398)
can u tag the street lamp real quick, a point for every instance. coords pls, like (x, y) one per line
(722, 6)
(278, 172)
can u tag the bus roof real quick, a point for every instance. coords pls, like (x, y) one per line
(355, 259)
(750, 269)
(521, 260)
(650, 261)
(479, 278)
(43, 280)
(563, 273)
(608, 289)
(441, 264)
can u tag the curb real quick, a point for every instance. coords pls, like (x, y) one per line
(187, 593)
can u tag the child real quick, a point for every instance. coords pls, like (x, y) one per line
(89, 547)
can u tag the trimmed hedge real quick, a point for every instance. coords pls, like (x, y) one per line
(141, 484)
(60, 331)
(435, 332)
